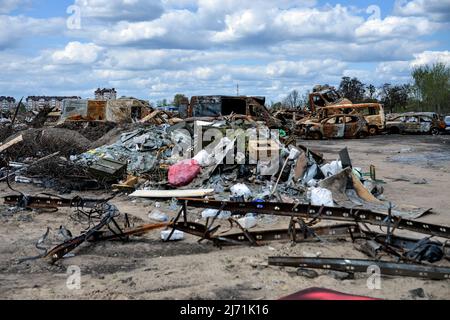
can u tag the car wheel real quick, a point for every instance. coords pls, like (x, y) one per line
(435, 131)
(373, 131)
(315, 135)
(394, 130)
(362, 135)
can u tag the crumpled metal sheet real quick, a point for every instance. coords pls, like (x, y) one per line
(349, 198)
(138, 148)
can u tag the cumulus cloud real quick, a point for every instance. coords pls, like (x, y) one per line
(438, 10)
(431, 57)
(395, 27)
(77, 53)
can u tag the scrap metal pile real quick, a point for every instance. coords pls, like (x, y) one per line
(228, 170)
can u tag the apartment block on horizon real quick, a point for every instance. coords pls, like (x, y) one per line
(105, 94)
(7, 103)
(35, 103)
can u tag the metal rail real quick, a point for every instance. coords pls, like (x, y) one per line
(41, 202)
(357, 265)
(320, 212)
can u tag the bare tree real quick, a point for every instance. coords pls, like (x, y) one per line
(293, 100)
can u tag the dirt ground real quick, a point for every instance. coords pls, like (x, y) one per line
(416, 170)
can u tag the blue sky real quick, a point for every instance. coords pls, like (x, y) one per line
(153, 49)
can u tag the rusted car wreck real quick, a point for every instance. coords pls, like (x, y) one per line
(417, 122)
(337, 126)
(326, 101)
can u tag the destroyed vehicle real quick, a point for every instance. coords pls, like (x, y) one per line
(288, 116)
(447, 123)
(219, 106)
(326, 101)
(337, 126)
(415, 123)
(118, 111)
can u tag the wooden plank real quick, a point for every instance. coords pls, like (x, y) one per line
(5, 146)
(172, 193)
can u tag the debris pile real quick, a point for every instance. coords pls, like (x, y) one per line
(221, 168)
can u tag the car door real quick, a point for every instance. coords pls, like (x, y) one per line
(352, 126)
(425, 124)
(333, 127)
(412, 124)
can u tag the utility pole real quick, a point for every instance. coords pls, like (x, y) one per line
(237, 89)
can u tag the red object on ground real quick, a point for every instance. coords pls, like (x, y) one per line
(183, 173)
(324, 294)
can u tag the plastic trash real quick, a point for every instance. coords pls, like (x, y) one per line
(330, 169)
(183, 173)
(22, 180)
(312, 183)
(321, 196)
(204, 159)
(211, 213)
(177, 235)
(241, 190)
(157, 215)
(248, 222)
(294, 153)
(310, 173)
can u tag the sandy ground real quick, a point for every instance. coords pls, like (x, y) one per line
(146, 268)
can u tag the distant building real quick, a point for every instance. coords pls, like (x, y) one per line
(106, 94)
(38, 102)
(7, 103)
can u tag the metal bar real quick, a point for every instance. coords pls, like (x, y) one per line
(175, 221)
(357, 265)
(329, 232)
(37, 202)
(329, 213)
(195, 229)
(108, 236)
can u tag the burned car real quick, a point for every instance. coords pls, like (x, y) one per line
(326, 101)
(212, 107)
(415, 123)
(337, 126)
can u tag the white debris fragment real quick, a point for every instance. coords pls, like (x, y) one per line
(321, 197)
(211, 213)
(241, 190)
(177, 235)
(248, 222)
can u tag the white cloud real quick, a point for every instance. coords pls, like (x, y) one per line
(306, 68)
(76, 53)
(438, 10)
(395, 27)
(431, 57)
(116, 10)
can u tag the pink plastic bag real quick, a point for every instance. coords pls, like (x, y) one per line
(183, 173)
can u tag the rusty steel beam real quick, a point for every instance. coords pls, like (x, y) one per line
(320, 212)
(40, 202)
(358, 265)
(296, 235)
